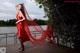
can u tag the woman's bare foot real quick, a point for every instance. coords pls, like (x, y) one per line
(21, 49)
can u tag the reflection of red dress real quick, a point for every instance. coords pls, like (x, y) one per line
(21, 31)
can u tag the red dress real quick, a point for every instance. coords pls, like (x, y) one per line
(21, 30)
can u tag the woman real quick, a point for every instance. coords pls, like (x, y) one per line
(21, 18)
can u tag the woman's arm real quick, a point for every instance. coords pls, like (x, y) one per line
(23, 18)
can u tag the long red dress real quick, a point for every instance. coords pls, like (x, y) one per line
(21, 30)
(25, 34)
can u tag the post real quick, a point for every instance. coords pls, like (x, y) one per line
(16, 37)
(34, 35)
(57, 40)
(6, 38)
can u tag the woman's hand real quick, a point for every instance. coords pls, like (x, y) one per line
(17, 22)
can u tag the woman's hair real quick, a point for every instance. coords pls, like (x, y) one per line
(22, 10)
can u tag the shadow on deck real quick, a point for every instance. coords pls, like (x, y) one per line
(44, 48)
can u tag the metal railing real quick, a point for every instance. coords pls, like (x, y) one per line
(8, 35)
(14, 36)
(15, 39)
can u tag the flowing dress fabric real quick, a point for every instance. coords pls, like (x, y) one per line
(21, 30)
(25, 33)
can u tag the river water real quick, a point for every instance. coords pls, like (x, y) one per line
(11, 30)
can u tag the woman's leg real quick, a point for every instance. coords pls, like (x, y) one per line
(21, 45)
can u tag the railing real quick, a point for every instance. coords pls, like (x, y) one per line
(59, 41)
(15, 39)
(8, 35)
(13, 36)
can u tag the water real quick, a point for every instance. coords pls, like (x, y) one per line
(10, 40)
(8, 29)
(14, 29)
(11, 30)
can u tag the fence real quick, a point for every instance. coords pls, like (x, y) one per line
(9, 36)
(6, 36)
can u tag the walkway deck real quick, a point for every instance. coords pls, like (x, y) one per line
(44, 48)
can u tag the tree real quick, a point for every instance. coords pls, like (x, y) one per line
(40, 22)
(63, 17)
(12, 22)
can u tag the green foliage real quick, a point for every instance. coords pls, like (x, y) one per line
(12, 22)
(40, 22)
(64, 18)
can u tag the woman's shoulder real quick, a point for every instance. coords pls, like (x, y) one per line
(19, 13)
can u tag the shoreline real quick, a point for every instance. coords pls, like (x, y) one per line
(15, 26)
(7, 26)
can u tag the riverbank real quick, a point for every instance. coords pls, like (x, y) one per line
(15, 26)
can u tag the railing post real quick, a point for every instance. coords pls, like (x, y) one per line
(16, 37)
(57, 40)
(35, 35)
(6, 38)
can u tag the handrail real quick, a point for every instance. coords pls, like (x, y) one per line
(7, 35)
(14, 35)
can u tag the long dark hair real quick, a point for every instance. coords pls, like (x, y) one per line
(22, 10)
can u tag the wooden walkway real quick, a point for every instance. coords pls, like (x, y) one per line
(44, 48)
